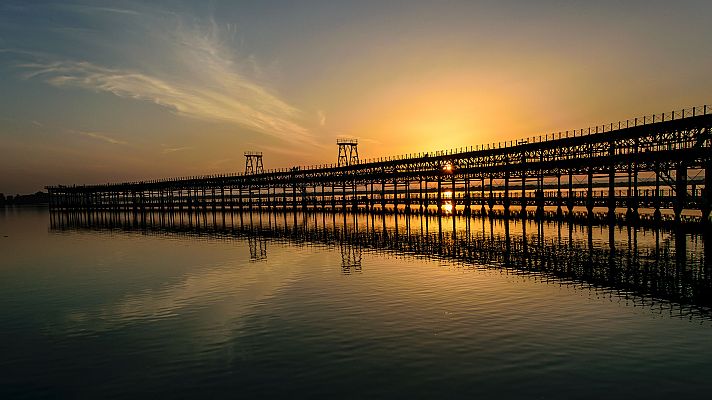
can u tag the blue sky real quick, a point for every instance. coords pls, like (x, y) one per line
(108, 91)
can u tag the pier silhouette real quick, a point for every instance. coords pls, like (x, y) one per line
(652, 168)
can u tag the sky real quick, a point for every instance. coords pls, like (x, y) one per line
(96, 92)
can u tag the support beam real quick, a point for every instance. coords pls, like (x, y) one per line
(589, 194)
(707, 195)
(680, 190)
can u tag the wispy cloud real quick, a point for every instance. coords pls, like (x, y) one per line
(205, 81)
(322, 117)
(113, 10)
(169, 150)
(101, 136)
(220, 163)
(369, 140)
(290, 152)
(240, 102)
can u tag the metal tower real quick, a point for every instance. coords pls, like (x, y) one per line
(253, 162)
(348, 151)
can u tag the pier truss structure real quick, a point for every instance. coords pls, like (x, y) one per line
(656, 167)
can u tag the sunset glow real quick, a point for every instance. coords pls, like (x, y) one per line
(447, 207)
(135, 91)
(283, 199)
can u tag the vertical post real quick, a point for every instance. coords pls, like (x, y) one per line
(491, 195)
(440, 195)
(454, 208)
(259, 196)
(420, 194)
(570, 200)
(343, 195)
(611, 182)
(294, 192)
(332, 197)
(589, 195)
(468, 200)
(629, 194)
(540, 195)
(707, 196)
(635, 203)
(523, 201)
(559, 198)
(506, 194)
(656, 196)
(395, 195)
(482, 197)
(427, 196)
(407, 196)
(370, 197)
(680, 190)
(453, 199)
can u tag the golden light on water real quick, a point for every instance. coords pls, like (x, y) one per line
(448, 208)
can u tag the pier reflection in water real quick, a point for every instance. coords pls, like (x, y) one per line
(665, 271)
(332, 305)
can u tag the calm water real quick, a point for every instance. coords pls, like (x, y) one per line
(307, 306)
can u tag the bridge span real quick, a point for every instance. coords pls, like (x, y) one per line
(657, 166)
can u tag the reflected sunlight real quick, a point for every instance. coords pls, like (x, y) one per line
(448, 208)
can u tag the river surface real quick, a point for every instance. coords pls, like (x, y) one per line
(348, 306)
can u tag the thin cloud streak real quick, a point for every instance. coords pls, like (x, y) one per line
(175, 149)
(256, 109)
(113, 10)
(209, 86)
(101, 136)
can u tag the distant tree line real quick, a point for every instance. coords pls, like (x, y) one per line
(24, 199)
